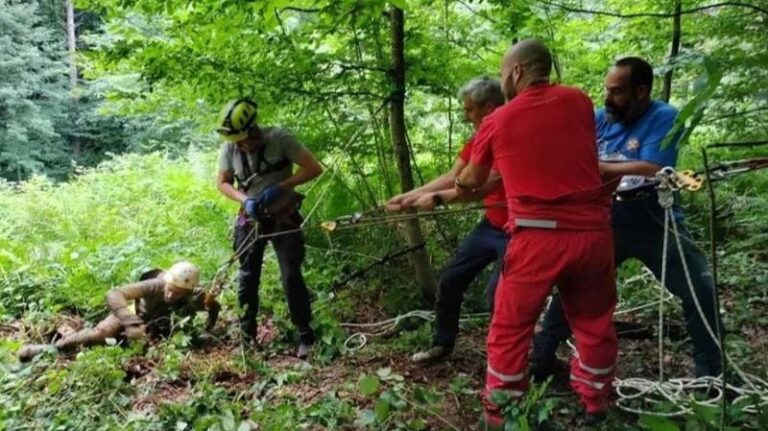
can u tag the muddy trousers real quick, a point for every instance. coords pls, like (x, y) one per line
(289, 249)
(109, 327)
(645, 243)
(581, 264)
(484, 246)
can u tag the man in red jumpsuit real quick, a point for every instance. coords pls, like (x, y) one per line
(543, 145)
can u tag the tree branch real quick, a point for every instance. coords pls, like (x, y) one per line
(302, 9)
(654, 14)
(476, 13)
(737, 114)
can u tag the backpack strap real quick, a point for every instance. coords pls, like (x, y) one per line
(242, 183)
(263, 167)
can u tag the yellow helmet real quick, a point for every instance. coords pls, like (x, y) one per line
(183, 275)
(237, 117)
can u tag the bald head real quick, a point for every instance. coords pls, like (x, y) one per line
(526, 63)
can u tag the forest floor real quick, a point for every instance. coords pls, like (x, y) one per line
(270, 375)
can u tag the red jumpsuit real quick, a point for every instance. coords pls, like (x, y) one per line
(543, 145)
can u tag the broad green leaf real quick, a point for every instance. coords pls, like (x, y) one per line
(368, 385)
(384, 373)
(692, 113)
(402, 4)
(367, 417)
(658, 423)
(382, 409)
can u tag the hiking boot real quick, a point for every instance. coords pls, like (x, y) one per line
(304, 350)
(29, 351)
(435, 353)
(250, 332)
(594, 418)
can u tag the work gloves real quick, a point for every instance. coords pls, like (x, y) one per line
(266, 197)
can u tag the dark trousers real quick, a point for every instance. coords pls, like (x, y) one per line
(645, 243)
(289, 249)
(484, 245)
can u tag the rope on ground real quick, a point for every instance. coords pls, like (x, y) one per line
(359, 339)
(681, 392)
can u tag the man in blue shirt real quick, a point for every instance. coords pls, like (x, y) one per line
(630, 130)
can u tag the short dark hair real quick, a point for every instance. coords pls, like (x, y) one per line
(641, 73)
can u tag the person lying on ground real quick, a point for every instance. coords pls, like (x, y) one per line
(156, 300)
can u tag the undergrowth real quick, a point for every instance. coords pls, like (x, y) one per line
(63, 245)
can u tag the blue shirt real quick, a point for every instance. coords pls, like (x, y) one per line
(639, 141)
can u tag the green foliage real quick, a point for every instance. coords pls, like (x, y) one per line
(153, 75)
(396, 402)
(64, 245)
(74, 398)
(693, 112)
(32, 91)
(527, 413)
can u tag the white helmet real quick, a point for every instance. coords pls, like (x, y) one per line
(183, 275)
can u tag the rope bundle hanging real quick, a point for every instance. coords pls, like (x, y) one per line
(681, 392)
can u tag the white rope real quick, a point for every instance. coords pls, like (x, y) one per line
(680, 392)
(664, 259)
(359, 339)
(335, 169)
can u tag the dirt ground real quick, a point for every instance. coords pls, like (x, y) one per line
(219, 362)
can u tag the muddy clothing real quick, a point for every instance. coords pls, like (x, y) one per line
(151, 308)
(151, 311)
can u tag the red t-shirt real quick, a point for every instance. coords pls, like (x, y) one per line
(542, 143)
(495, 200)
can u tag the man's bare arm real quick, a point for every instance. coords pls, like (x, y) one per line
(225, 184)
(309, 169)
(610, 170)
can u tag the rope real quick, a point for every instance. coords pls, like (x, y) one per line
(217, 285)
(359, 339)
(374, 221)
(680, 391)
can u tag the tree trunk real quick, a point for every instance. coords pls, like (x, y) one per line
(666, 91)
(73, 90)
(424, 274)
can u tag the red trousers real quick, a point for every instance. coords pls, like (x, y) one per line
(581, 265)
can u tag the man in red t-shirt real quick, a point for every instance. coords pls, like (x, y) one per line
(485, 245)
(542, 143)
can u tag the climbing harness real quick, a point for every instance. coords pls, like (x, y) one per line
(253, 236)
